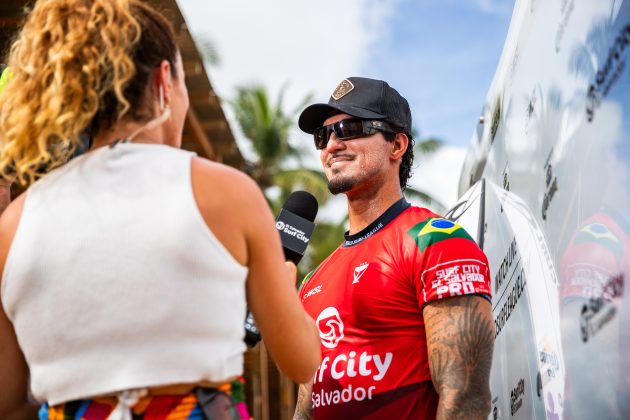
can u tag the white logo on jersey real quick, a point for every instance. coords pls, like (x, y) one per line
(330, 327)
(359, 270)
(312, 292)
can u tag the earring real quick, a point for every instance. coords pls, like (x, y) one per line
(161, 94)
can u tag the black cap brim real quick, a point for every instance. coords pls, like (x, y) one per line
(314, 115)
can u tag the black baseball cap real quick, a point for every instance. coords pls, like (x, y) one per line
(362, 98)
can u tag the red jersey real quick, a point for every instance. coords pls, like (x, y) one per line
(367, 299)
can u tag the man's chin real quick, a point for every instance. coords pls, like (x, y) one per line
(339, 186)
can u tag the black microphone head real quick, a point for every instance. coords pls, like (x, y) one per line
(303, 204)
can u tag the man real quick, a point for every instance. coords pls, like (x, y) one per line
(403, 305)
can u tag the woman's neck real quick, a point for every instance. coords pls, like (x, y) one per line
(124, 130)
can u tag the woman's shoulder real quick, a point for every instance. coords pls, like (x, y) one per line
(222, 177)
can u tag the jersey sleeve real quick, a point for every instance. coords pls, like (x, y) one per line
(448, 262)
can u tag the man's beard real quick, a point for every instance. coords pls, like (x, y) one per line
(342, 185)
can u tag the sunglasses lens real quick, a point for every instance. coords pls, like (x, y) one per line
(321, 137)
(344, 130)
(348, 129)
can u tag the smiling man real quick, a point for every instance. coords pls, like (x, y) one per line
(403, 304)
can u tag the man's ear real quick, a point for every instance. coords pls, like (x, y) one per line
(400, 144)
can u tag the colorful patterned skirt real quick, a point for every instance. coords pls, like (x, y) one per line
(205, 404)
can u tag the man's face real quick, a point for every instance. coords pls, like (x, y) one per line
(355, 164)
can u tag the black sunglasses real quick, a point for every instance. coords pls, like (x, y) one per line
(350, 129)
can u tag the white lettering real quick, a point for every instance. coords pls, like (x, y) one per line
(441, 290)
(363, 361)
(323, 398)
(454, 288)
(322, 367)
(468, 287)
(333, 372)
(382, 366)
(351, 372)
(346, 397)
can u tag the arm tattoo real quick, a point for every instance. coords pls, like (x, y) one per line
(460, 340)
(304, 405)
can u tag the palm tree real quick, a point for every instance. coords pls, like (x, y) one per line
(267, 126)
(424, 147)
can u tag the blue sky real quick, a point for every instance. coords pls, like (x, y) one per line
(440, 54)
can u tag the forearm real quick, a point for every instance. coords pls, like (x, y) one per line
(463, 404)
(304, 405)
(460, 338)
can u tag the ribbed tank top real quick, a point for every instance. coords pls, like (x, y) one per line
(114, 281)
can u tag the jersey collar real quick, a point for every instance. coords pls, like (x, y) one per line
(390, 214)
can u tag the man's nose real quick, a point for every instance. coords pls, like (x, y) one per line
(334, 143)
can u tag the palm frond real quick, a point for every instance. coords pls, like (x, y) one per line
(427, 146)
(309, 180)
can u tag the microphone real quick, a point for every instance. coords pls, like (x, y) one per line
(295, 223)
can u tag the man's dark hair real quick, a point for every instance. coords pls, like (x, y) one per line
(404, 172)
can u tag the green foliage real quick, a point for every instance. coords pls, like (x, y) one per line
(267, 126)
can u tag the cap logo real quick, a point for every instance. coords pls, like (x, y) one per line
(342, 89)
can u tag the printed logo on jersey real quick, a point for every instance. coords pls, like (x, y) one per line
(372, 367)
(359, 270)
(315, 290)
(454, 278)
(434, 230)
(330, 327)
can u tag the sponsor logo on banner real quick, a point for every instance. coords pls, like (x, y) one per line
(516, 396)
(359, 271)
(551, 186)
(506, 265)
(330, 327)
(495, 408)
(510, 303)
(434, 230)
(608, 73)
(599, 311)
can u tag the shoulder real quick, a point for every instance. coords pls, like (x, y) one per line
(217, 178)
(229, 195)
(9, 221)
(427, 228)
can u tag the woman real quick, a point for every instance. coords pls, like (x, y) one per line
(125, 270)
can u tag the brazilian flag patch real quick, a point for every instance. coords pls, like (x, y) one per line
(434, 230)
(600, 234)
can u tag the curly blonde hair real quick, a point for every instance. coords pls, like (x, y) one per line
(77, 67)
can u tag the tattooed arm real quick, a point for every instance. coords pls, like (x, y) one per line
(304, 405)
(460, 339)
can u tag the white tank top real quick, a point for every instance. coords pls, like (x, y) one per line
(114, 281)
